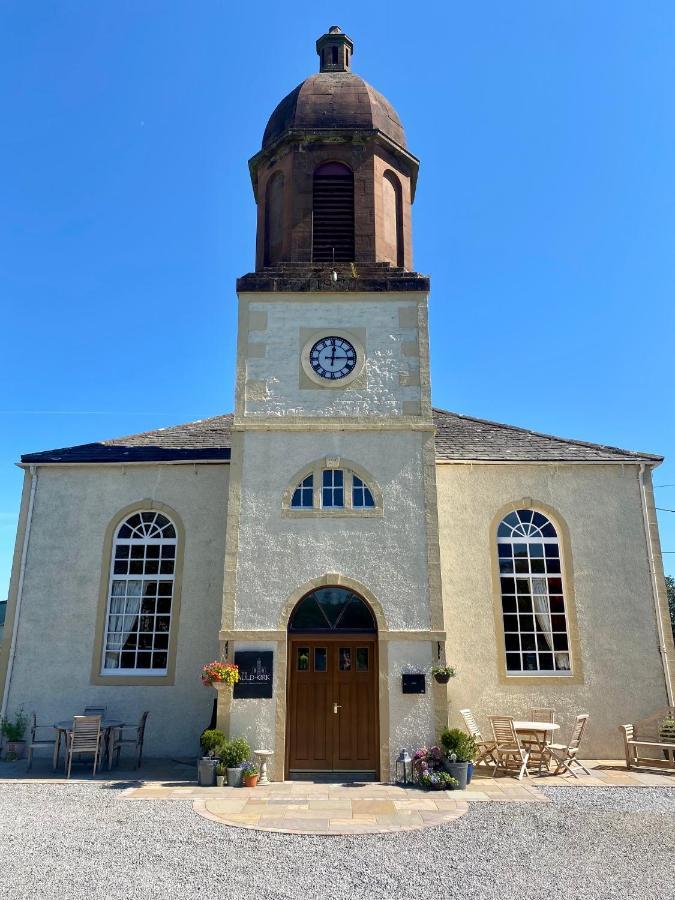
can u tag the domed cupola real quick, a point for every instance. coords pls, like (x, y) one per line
(334, 181)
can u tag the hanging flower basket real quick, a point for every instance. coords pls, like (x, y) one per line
(215, 674)
(443, 674)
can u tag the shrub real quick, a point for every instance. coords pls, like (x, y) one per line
(16, 730)
(459, 744)
(233, 753)
(211, 740)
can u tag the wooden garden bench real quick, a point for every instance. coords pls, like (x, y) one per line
(645, 734)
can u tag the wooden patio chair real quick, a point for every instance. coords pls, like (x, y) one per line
(537, 755)
(511, 755)
(38, 743)
(542, 714)
(565, 755)
(85, 737)
(95, 711)
(138, 732)
(485, 748)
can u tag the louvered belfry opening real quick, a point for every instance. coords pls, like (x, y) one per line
(333, 214)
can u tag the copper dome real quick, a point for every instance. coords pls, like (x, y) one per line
(334, 100)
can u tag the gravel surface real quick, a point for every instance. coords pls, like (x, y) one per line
(83, 841)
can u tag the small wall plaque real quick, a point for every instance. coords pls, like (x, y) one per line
(256, 670)
(414, 684)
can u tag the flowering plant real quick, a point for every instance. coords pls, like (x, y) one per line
(426, 760)
(437, 779)
(220, 673)
(250, 768)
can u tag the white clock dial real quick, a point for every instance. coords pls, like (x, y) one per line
(332, 358)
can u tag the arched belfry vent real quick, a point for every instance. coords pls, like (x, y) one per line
(332, 609)
(335, 51)
(333, 213)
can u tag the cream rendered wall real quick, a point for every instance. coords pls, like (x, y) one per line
(277, 554)
(52, 669)
(623, 678)
(273, 352)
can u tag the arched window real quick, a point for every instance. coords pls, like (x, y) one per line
(333, 486)
(536, 635)
(332, 609)
(333, 213)
(140, 596)
(274, 218)
(392, 209)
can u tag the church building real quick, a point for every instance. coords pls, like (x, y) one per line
(336, 535)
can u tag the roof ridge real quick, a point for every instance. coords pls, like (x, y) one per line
(544, 434)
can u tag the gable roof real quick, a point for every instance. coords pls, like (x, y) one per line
(458, 438)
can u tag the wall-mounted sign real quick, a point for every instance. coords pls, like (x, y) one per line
(414, 684)
(255, 674)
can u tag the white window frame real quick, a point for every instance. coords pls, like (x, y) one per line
(528, 540)
(147, 540)
(350, 470)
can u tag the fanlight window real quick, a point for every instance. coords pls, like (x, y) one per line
(536, 633)
(336, 489)
(332, 609)
(140, 596)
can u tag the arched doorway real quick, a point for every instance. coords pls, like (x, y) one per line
(332, 685)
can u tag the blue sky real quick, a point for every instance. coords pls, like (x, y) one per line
(545, 211)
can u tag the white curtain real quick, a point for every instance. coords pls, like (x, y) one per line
(125, 604)
(543, 617)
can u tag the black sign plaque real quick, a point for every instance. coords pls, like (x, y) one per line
(255, 674)
(414, 684)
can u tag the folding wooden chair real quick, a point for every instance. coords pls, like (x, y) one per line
(537, 755)
(485, 748)
(511, 755)
(542, 714)
(565, 755)
(85, 737)
(37, 743)
(95, 711)
(136, 741)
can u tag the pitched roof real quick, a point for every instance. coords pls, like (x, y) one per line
(458, 437)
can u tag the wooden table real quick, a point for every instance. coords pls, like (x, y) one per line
(108, 727)
(535, 735)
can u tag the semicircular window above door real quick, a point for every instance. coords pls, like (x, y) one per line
(332, 609)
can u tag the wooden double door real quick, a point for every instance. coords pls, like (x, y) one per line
(333, 710)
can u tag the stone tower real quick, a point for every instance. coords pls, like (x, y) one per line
(332, 496)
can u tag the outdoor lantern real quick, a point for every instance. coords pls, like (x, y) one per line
(404, 768)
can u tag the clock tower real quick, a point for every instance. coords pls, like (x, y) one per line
(332, 556)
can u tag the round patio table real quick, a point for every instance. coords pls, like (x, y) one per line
(535, 735)
(108, 727)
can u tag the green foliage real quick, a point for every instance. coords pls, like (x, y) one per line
(211, 740)
(459, 744)
(221, 769)
(250, 768)
(233, 753)
(450, 671)
(670, 589)
(14, 730)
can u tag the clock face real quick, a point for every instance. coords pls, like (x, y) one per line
(332, 358)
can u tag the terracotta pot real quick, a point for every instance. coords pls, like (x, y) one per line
(251, 780)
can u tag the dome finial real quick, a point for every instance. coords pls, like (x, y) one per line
(335, 51)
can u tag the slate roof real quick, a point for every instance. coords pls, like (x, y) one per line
(458, 438)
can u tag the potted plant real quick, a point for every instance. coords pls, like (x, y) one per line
(14, 733)
(251, 773)
(460, 749)
(443, 674)
(221, 774)
(437, 780)
(233, 754)
(210, 741)
(217, 673)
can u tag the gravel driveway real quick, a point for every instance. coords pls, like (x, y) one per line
(83, 841)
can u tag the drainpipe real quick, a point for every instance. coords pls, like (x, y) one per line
(655, 586)
(19, 590)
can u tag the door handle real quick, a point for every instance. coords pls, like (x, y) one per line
(336, 706)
